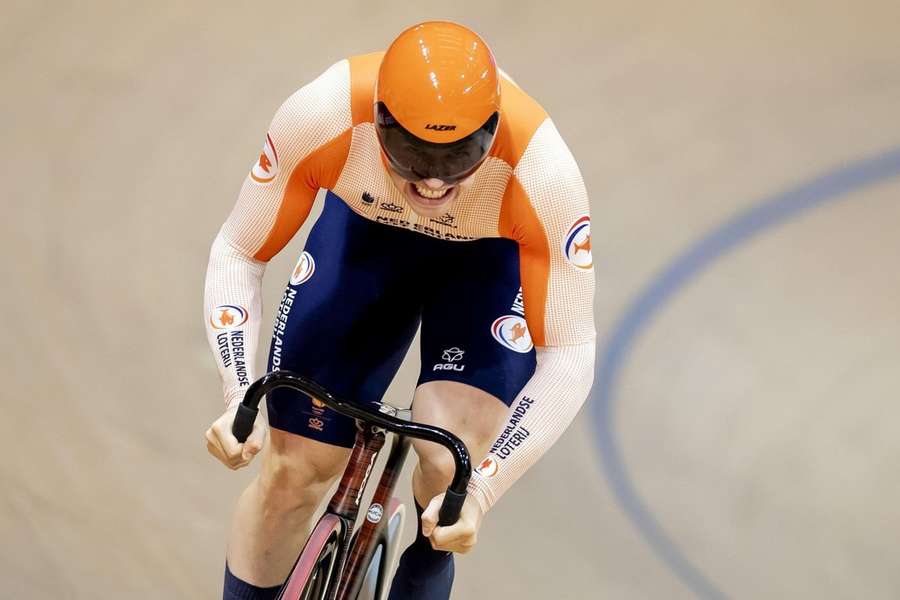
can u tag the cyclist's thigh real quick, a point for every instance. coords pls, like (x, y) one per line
(476, 351)
(473, 323)
(469, 412)
(346, 320)
(293, 464)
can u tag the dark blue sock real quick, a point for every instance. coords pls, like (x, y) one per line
(237, 589)
(423, 573)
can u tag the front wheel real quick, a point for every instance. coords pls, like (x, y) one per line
(315, 572)
(372, 581)
(376, 583)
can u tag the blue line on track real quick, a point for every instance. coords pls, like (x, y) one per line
(769, 213)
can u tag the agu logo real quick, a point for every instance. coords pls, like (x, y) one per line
(512, 332)
(577, 244)
(453, 354)
(228, 316)
(266, 167)
(306, 266)
(488, 467)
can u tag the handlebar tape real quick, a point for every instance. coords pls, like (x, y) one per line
(243, 422)
(451, 507)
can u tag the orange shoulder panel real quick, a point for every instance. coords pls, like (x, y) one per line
(320, 169)
(519, 222)
(520, 116)
(363, 75)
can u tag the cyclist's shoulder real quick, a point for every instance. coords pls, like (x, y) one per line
(342, 96)
(545, 188)
(363, 70)
(314, 116)
(530, 143)
(324, 98)
(520, 118)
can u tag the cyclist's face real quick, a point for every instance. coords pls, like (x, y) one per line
(428, 197)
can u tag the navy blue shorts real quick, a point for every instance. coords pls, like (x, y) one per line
(355, 299)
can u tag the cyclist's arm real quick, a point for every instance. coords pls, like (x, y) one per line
(304, 150)
(545, 210)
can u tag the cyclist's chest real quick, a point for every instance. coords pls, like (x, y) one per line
(366, 188)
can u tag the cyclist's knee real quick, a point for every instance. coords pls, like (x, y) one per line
(469, 412)
(435, 465)
(296, 472)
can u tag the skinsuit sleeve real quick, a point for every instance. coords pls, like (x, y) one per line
(545, 209)
(304, 150)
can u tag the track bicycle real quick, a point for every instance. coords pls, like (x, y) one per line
(343, 560)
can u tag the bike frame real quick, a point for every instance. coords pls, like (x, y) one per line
(355, 549)
(346, 503)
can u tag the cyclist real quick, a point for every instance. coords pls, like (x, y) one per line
(451, 202)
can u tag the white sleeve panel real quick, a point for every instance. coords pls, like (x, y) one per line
(541, 412)
(551, 179)
(313, 116)
(233, 306)
(309, 119)
(564, 373)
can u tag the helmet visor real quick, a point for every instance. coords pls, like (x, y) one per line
(415, 159)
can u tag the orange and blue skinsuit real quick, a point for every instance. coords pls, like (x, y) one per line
(529, 191)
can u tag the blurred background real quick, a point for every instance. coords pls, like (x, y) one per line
(742, 161)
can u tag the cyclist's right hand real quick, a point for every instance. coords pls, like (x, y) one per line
(222, 444)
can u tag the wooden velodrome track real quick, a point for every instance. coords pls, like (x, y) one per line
(743, 440)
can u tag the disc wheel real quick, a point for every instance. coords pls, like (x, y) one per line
(314, 573)
(371, 584)
(375, 584)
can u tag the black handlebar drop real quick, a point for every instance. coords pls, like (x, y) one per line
(451, 507)
(456, 491)
(243, 422)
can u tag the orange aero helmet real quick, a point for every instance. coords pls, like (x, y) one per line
(437, 102)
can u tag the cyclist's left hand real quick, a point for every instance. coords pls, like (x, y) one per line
(460, 537)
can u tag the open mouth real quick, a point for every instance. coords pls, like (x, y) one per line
(429, 193)
(429, 196)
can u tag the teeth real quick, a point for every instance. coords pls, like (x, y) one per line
(433, 194)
